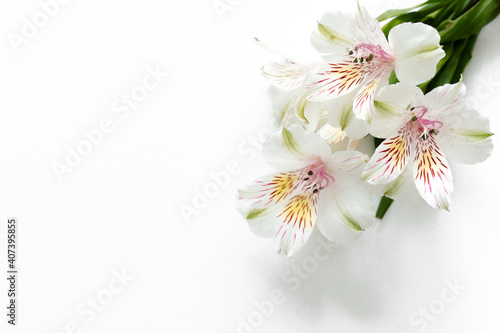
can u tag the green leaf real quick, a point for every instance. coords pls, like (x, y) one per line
(377, 141)
(465, 57)
(447, 72)
(393, 79)
(408, 17)
(394, 12)
(448, 12)
(471, 22)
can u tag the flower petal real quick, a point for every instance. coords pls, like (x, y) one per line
(468, 137)
(336, 79)
(363, 103)
(334, 34)
(286, 74)
(345, 210)
(443, 99)
(313, 114)
(432, 173)
(294, 148)
(331, 134)
(340, 116)
(369, 27)
(416, 51)
(391, 106)
(270, 190)
(296, 222)
(390, 158)
(342, 163)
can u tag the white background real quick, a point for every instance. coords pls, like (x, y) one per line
(119, 208)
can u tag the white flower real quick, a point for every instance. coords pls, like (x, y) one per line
(421, 131)
(359, 59)
(332, 120)
(314, 187)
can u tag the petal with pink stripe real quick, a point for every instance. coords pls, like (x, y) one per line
(296, 222)
(390, 158)
(432, 173)
(336, 79)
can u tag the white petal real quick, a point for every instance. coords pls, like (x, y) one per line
(369, 28)
(403, 188)
(416, 51)
(432, 174)
(467, 138)
(261, 221)
(390, 158)
(391, 107)
(331, 134)
(268, 191)
(335, 34)
(441, 100)
(283, 101)
(285, 74)
(337, 78)
(294, 148)
(313, 114)
(345, 163)
(296, 221)
(363, 103)
(340, 115)
(345, 210)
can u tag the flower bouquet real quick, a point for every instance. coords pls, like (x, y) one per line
(398, 85)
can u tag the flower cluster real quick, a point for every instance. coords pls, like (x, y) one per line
(326, 108)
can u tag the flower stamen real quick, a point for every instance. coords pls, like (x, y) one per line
(319, 179)
(426, 126)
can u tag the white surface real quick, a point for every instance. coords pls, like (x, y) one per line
(120, 207)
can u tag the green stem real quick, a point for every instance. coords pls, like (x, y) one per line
(384, 205)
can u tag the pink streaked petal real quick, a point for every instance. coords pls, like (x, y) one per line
(348, 162)
(390, 158)
(336, 79)
(286, 74)
(269, 191)
(369, 27)
(363, 102)
(441, 99)
(296, 222)
(432, 173)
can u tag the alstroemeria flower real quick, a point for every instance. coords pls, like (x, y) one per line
(332, 120)
(314, 188)
(359, 59)
(421, 131)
